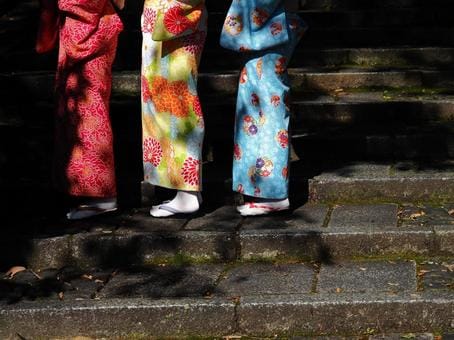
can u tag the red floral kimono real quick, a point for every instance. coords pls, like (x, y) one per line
(84, 161)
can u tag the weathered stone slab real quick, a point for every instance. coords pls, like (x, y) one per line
(436, 275)
(367, 216)
(445, 239)
(52, 252)
(364, 183)
(118, 318)
(361, 277)
(423, 336)
(112, 251)
(141, 221)
(348, 314)
(163, 282)
(307, 217)
(328, 243)
(361, 241)
(82, 285)
(412, 215)
(222, 219)
(271, 244)
(259, 279)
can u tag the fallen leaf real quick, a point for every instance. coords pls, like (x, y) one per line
(450, 267)
(61, 296)
(236, 299)
(338, 290)
(451, 212)
(87, 277)
(416, 215)
(423, 272)
(14, 270)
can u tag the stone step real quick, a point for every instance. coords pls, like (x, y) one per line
(252, 299)
(39, 85)
(216, 59)
(311, 112)
(403, 18)
(219, 234)
(22, 146)
(316, 37)
(329, 5)
(359, 16)
(400, 182)
(350, 37)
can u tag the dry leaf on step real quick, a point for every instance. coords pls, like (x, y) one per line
(418, 214)
(450, 267)
(14, 270)
(61, 296)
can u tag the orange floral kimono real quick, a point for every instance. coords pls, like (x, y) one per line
(88, 31)
(173, 129)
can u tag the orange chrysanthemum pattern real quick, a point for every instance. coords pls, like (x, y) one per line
(171, 97)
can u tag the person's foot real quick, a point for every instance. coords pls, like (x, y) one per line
(185, 202)
(263, 207)
(92, 208)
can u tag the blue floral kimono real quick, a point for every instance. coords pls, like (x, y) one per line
(261, 151)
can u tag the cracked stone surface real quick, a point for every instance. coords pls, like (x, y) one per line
(368, 277)
(258, 278)
(437, 275)
(160, 282)
(383, 215)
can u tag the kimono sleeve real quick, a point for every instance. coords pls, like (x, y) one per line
(182, 19)
(89, 26)
(255, 25)
(262, 10)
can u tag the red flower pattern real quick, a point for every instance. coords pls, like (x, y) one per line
(149, 20)
(243, 76)
(285, 172)
(175, 21)
(255, 100)
(237, 153)
(190, 171)
(146, 94)
(275, 100)
(152, 151)
(276, 28)
(280, 65)
(282, 138)
(193, 43)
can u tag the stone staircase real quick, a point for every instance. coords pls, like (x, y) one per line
(368, 248)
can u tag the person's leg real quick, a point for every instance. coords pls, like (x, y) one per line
(172, 120)
(261, 150)
(260, 166)
(84, 141)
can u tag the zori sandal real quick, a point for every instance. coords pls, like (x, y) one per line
(86, 211)
(263, 208)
